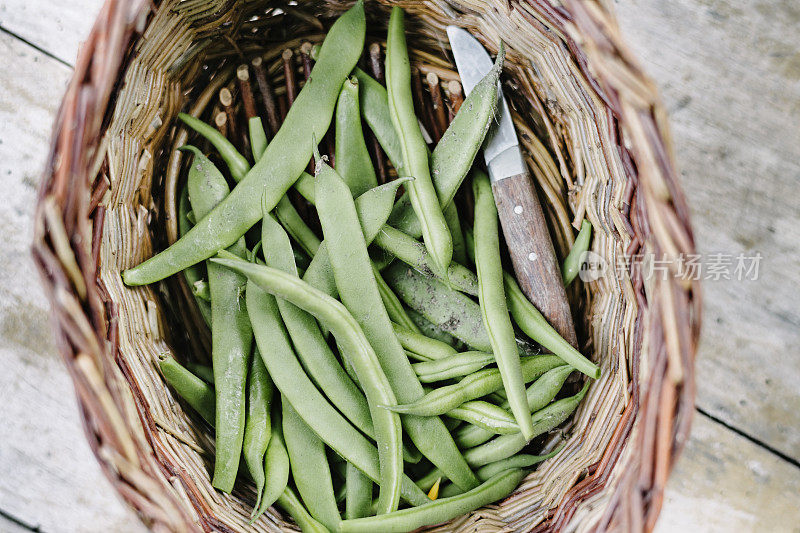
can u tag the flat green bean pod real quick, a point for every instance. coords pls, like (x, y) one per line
(257, 429)
(258, 138)
(492, 301)
(454, 225)
(538, 395)
(485, 415)
(476, 385)
(195, 273)
(291, 504)
(397, 313)
(353, 163)
(280, 166)
(358, 496)
(206, 373)
(440, 510)
(414, 341)
(309, 468)
(413, 253)
(197, 393)
(432, 331)
(421, 191)
(543, 420)
(231, 332)
(516, 461)
(276, 468)
(289, 376)
(297, 227)
(453, 366)
(574, 260)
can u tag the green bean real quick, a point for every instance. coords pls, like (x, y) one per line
(309, 467)
(291, 504)
(231, 333)
(516, 461)
(352, 158)
(485, 415)
(543, 421)
(276, 468)
(439, 510)
(197, 393)
(358, 290)
(453, 366)
(236, 162)
(492, 300)
(291, 379)
(305, 186)
(413, 253)
(316, 356)
(358, 498)
(258, 138)
(297, 227)
(572, 264)
(421, 191)
(538, 395)
(397, 313)
(374, 104)
(476, 385)
(432, 331)
(418, 343)
(206, 373)
(451, 310)
(194, 273)
(373, 209)
(201, 290)
(531, 321)
(454, 225)
(280, 166)
(453, 156)
(257, 429)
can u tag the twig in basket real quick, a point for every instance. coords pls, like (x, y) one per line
(267, 97)
(288, 73)
(305, 55)
(221, 122)
(456, 97)
(424, 112)
(439, 113)
(376, 67)
(245, 89)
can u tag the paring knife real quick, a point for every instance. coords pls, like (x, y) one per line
(521, 215)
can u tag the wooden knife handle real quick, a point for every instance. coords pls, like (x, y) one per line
(531, 250)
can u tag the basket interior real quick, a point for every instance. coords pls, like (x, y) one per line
(187, 52)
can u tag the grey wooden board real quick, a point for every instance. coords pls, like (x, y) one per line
(730, 75)
(49, 476)
(735, 132)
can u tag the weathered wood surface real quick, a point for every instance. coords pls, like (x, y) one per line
(730, 75)
(50, 478)
(730, 78)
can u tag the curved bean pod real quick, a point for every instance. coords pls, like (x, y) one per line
(291, 504)
(414, 254)
(539, 395)
(543, 421)
(454, 225)
(309, 467)
(432, 331)
(440, 510)
(291, 379)
(353, 163)
(443, 399)
(310, 345)
(236, 162)
(574, 260)
(206, 373)
(358, 290)
(421, 191)
(397, 313)
(194, 273)
(517, 461)
(258, 138)
(414, 341)
(297, 227)
(276, 468)
(358, 496)
(231, 333)
(257, 428)
(485, 415)
(453, 366)
(280, 166)
(492, 301)
(197, 393)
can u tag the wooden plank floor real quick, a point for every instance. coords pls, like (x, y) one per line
(730, 73)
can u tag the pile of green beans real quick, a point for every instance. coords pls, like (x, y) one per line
(387, 365)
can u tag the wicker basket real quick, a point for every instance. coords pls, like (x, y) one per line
(597, 144)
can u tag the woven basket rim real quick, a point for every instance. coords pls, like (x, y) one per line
(66, 243)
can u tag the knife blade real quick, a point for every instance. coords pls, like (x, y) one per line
(521, 216)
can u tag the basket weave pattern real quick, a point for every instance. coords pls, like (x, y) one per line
(597, 144)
